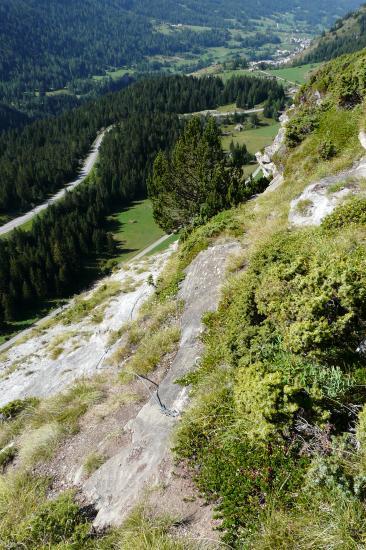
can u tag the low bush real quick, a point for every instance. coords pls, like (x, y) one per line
(56, 522)
(352, 212)
(327, 150)
(300, 126)
(13, 409)
(279, 379)
(29, 520)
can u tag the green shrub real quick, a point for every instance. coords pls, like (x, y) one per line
(13, 409)
(28, 520)
(305, 289)
(300, 126)
(279, 376)
(234, 472)
(327, 150)
(54, 522)
(20, 496)
(343, 79)
(265, 402)
(352, 212)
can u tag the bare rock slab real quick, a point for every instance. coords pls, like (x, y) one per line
(120, 483)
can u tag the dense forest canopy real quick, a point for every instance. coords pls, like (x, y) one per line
(47, 261)
(39, 159)
(218, 12)
(47, 45)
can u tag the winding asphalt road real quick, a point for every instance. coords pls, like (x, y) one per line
(88, 165)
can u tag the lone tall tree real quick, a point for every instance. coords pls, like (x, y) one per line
(195, 180)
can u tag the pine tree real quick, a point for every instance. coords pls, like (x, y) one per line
(194, 181)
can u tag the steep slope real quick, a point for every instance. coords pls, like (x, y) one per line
(274, 377)
(275, 433)
(346, 36)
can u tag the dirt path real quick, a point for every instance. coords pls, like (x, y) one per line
(151, 247)
(87, 167)
(120, 483)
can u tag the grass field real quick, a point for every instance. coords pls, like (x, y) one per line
(291, 75)
(134, 229)
(298, 75)
(231, 107)
(61, 91)
(115, 75)
(255, 139)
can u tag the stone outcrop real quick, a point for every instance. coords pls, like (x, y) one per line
(265, 159)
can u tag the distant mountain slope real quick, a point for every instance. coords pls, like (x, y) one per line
(346, 36)
(219, 12)
(46, 44)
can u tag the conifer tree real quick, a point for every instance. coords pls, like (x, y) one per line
(195, 180)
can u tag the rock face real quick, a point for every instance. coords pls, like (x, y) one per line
(120, 483)
(316, 202)
(320, 198)
(265, 160)
(29, 370)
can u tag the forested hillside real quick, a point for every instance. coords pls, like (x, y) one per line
(218, 12)
(11, 118)
(347, 35)
(72, 40)
(47, 46)
(37, 160)
(274, 433)
(44, 262)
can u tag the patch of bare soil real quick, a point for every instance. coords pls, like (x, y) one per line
(177, 495)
